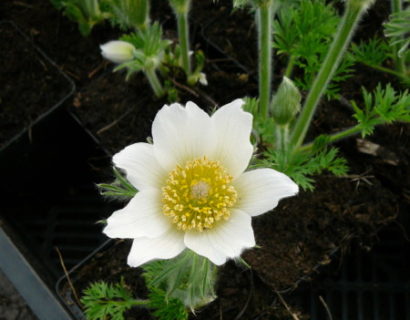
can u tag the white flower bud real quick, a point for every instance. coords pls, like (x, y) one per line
(118, 51)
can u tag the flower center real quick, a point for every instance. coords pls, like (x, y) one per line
(198, 195)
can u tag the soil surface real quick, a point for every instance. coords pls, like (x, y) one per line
(31, 84)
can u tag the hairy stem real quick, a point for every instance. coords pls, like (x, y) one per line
(183, 33)
(264, 22)
(282, 138)
(154, 82)
(346, 29)
(399, 62)
(335, 137)
(289, 67)
(386, 70)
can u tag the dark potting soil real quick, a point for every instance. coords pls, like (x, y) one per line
(120, 113)
(237, 41)
(239, 290)
(30, 83)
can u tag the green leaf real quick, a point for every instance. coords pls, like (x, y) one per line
(371, 52)
(384, 105)
(303, 33)
(102, 300)
(87, 13)
(120, 189)
(397, 29)
(302, 166)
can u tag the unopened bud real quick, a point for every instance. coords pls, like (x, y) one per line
(118, 51)
(286, 102)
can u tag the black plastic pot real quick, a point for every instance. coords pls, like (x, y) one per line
(50, 201)
(75, 279)
(49, 198)
(363, 285)
(66, 296)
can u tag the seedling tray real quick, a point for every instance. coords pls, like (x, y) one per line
(49, 201)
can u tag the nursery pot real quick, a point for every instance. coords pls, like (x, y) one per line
(50, 164)
(241, 294)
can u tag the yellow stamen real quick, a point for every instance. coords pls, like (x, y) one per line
(198, 195)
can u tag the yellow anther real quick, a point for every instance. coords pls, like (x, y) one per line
(198, 195)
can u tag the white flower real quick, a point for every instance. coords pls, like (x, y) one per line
(118, 51)
(193, 189)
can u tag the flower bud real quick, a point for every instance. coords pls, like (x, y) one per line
(118, 51)
(286, 102)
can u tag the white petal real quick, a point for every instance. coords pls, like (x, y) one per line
(142, 168)
(141, 217)
(225, 241)
(181, 134)
(233, 128)
(260, 190)
(167, 246)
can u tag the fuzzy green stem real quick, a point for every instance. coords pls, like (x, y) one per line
(120, 302)
(335, 137)
(347, 26)
(386, 70)
(264, 22)
(154, 82)
(399, 62)
(289, 67)
(282, 138)
(183, 33)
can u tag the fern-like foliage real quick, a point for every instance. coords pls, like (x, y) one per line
(380, 107)
(165, 308)
(150, 49)
(301, 167)
(104, 301)
(372, 52)
(303, 33)
(397, 29)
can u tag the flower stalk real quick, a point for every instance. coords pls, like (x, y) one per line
(335, 137)
(399, 60)
(353, 12)
(154, 82)
(264, 13)
(181, 10)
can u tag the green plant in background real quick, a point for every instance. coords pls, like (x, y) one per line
(375, 52)
(397, 30)
(102, 300)
(181, 9)
(281, 135)
(146, 54)
(182, 52)
(130, 14)
(87, 13)
(264, 12)
(303, 31)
